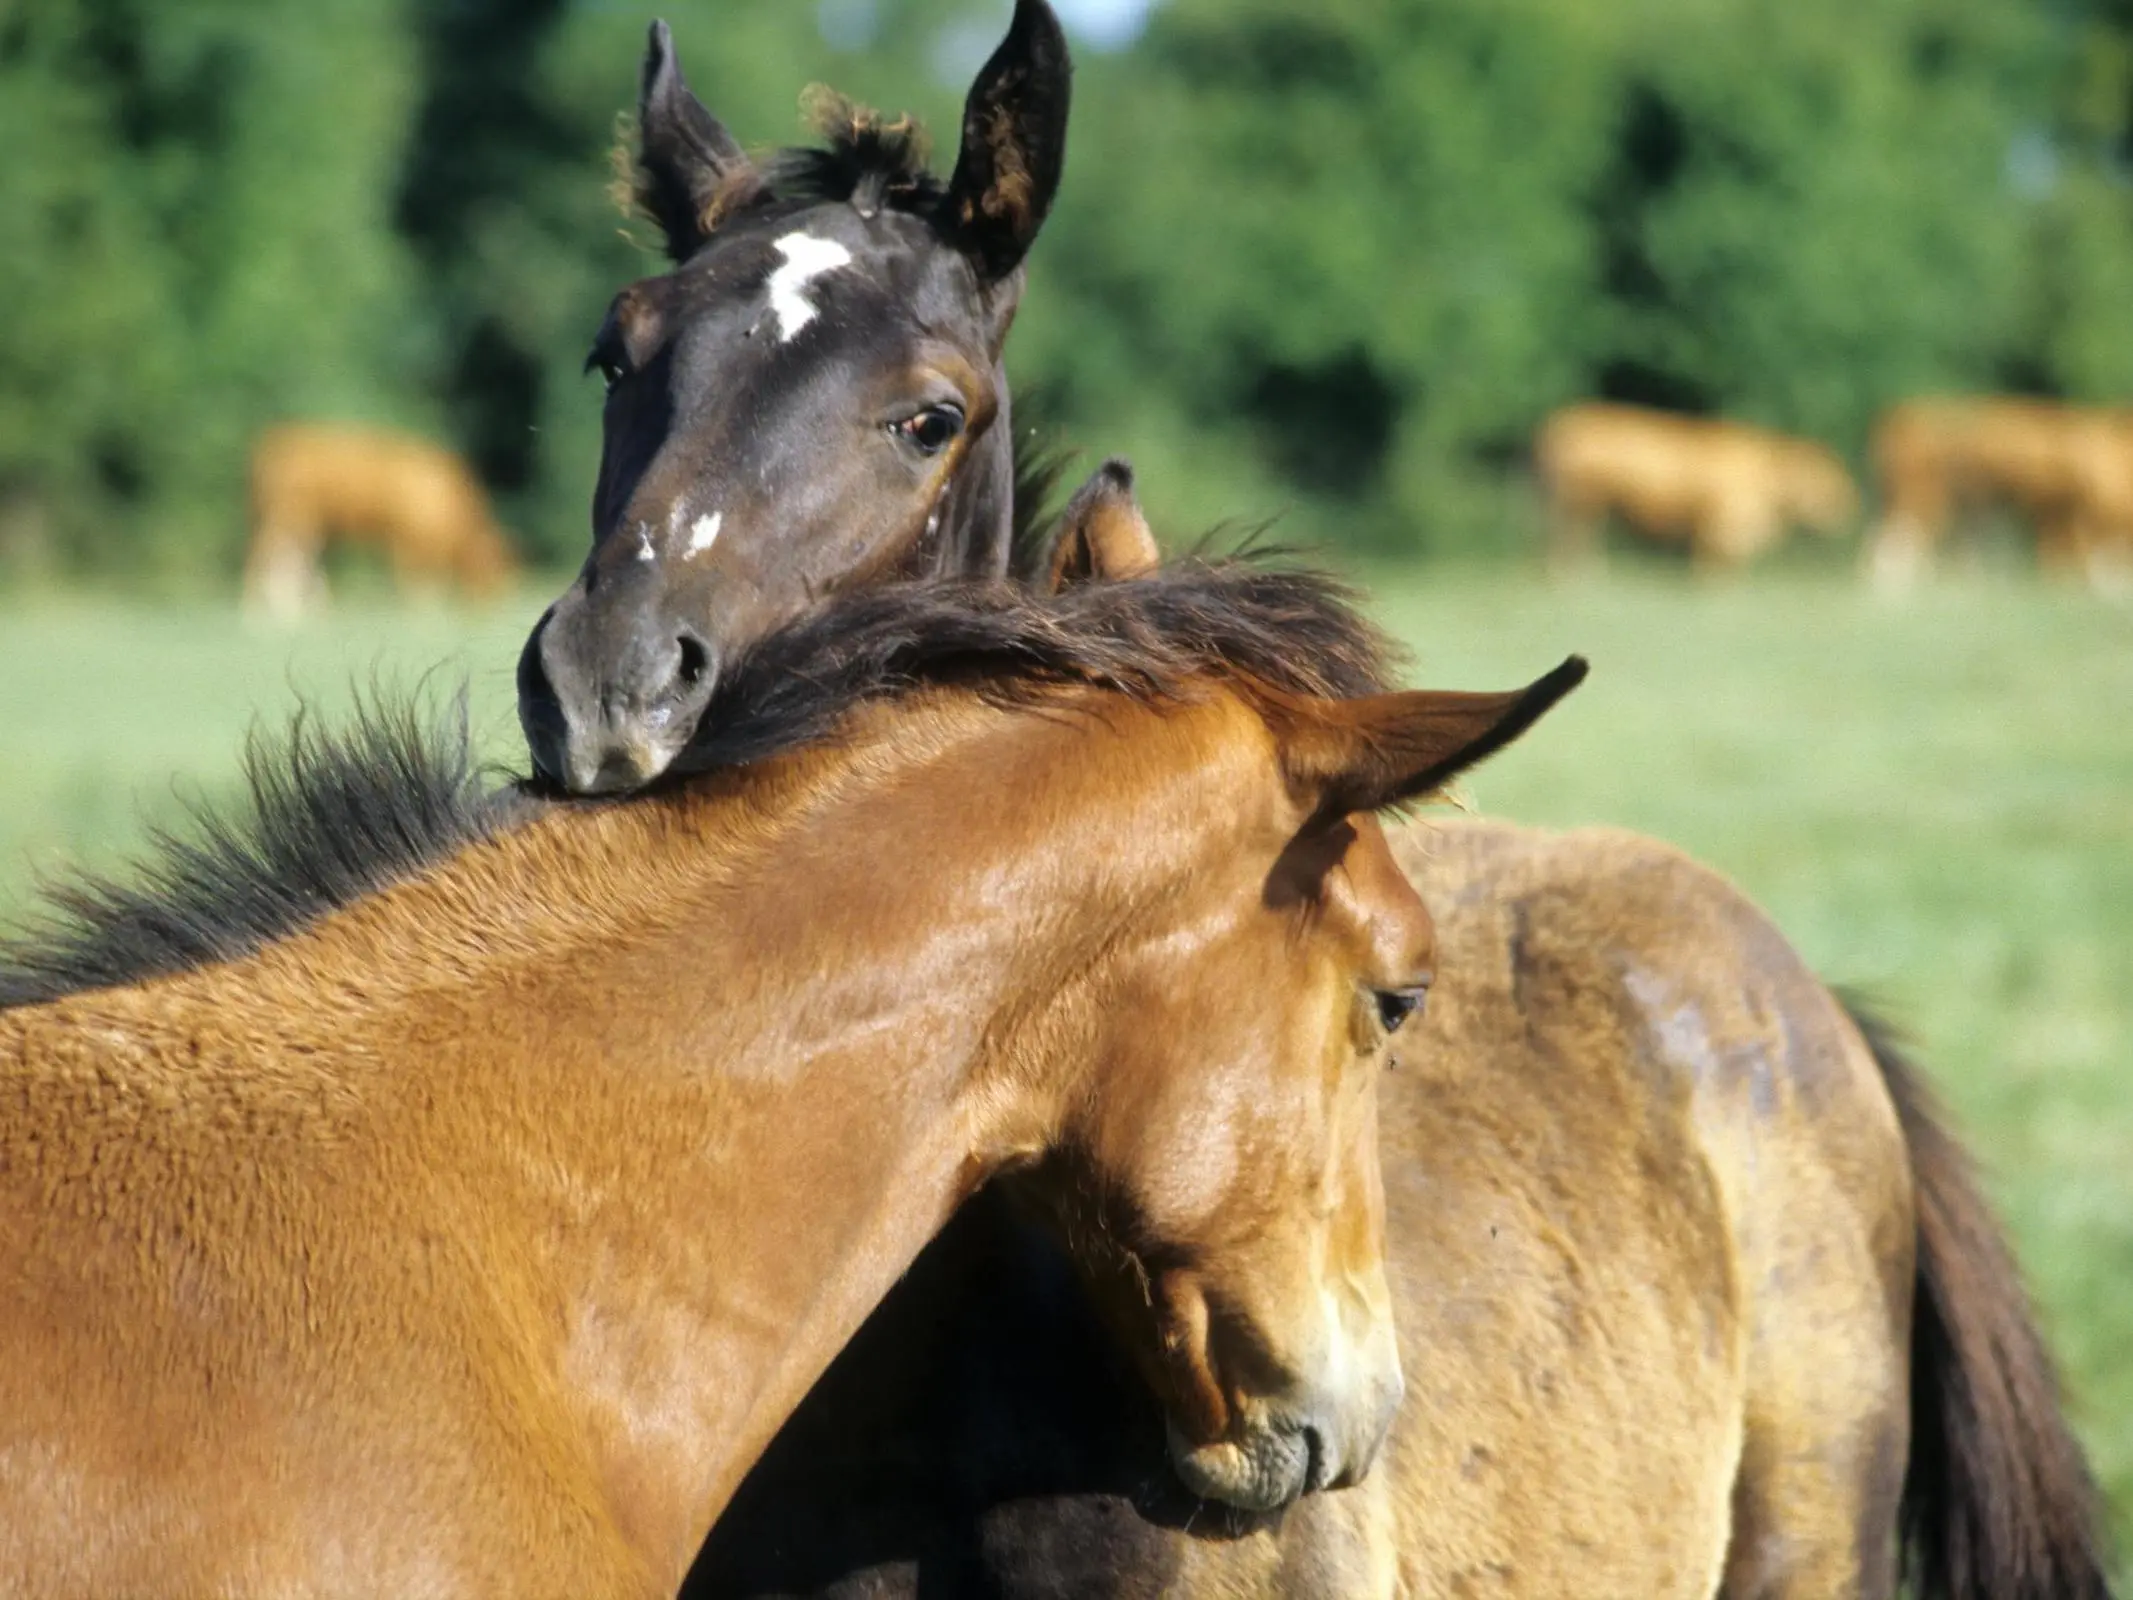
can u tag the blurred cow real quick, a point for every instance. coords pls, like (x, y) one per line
(1727, 490)
(2068, 470)
(416, 501)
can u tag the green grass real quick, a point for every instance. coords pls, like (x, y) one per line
(1934, 799)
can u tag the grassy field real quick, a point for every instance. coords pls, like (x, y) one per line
(1934, 799)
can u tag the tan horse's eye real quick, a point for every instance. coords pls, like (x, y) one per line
(1395, 1006)
(932, 430)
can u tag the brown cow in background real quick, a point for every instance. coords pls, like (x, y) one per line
(417, 501)
(2068, 470)
(1727, 490)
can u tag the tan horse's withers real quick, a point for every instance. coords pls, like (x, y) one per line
(416, 502)
(1727, 490)
(408, 1197)
(2067, 469)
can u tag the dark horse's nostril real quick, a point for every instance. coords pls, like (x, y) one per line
(695, 662)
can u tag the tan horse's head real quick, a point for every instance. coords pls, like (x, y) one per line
(1218, 1179)
(1182, 1055)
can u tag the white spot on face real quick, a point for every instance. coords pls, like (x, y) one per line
(705, 533)
(645, 552)
(806, 259)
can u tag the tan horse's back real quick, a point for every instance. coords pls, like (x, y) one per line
(2066, 469)
(418, 503)
(1725, 489)
(1658, 1116)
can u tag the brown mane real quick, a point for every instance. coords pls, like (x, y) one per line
(332, 817)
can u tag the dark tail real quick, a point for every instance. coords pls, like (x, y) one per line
(1997, 1503)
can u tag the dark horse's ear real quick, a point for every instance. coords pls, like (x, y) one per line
(1376, 751)
(1014, 143)
(1102, 533)
(685, 157)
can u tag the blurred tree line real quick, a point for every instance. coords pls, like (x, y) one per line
(1330, 259)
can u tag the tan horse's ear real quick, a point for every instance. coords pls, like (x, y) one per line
(1376, 751)
(1102, 533)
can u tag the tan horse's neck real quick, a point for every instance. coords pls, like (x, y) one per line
(754, 1118)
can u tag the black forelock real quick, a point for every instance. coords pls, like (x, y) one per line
(864, 155)
(865, 158)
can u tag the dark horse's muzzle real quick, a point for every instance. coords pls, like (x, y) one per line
(606, 701)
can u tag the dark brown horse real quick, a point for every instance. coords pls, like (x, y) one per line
(404, 1195)
(812, 398)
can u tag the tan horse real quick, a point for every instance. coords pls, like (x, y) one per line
(1727, 490)
(2067, 469)
(407, 1196)
(417, 502)
(1695, 1299)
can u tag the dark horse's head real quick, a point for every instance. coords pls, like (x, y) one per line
(811, 398)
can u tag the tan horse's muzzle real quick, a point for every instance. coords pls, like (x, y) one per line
(1321, 1432)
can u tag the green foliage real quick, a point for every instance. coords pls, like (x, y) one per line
(1330, 260)
(195, 236)
(1414, 228)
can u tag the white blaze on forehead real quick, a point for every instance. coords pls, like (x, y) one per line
(645, 552)
(705, 533)
(806, 259)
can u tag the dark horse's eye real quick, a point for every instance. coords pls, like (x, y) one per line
(1395, 1006)
(932, 430)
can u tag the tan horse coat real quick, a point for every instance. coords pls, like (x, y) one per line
(1727, 490)
(2067, 469)
(418, 503)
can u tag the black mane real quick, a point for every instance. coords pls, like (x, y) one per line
(329, 819)
(1294, 632)
(334, 817)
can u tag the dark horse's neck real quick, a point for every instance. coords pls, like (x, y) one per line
(997, 518)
